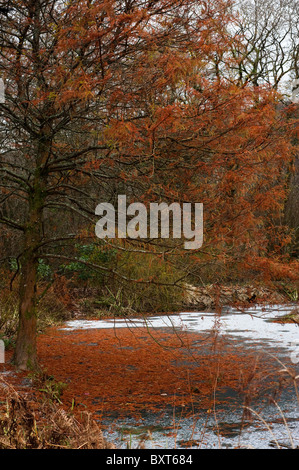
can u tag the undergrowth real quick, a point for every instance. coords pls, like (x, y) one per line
(51, 310)
(31, 424)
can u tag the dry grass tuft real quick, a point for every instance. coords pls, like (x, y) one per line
(28, 424)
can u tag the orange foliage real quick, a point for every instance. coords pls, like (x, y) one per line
(139, 80)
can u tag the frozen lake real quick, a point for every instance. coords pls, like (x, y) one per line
(278, 422)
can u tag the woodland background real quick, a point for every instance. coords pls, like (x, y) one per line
(161, 100)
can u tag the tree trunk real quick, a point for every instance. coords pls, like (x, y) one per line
(25, 357)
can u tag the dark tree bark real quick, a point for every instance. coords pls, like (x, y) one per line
(25, 356)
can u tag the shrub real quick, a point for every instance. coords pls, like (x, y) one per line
(155, 289)
(94, 253)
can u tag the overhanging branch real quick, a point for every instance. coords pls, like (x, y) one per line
(97, 267)
(10, 223)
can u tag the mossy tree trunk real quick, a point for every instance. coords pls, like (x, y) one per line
(25, 357)
(25, 353)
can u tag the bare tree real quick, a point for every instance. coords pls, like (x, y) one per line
(264, 43)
